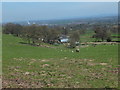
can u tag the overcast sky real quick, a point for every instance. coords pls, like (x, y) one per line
(24, 11)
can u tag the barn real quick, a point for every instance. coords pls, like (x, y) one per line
(64, 39)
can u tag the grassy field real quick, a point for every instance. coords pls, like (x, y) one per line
(58, 67)
(87, 37)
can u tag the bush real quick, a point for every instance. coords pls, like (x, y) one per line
(72, 44)
(109, 39)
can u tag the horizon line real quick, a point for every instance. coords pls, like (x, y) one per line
(86, 17)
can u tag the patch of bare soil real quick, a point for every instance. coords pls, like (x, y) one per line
(115, 70)
(53, 75)
(19, 83)
(83, 46)
(103, 64)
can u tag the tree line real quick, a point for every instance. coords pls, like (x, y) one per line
(36, 34)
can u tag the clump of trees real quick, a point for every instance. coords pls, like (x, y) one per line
(14, 29)
(115, 29)
(102, 33)
(36, 34)
(33, 34)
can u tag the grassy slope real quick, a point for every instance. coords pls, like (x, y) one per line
(51, 67)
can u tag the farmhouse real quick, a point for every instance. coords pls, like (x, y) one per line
(64, 39)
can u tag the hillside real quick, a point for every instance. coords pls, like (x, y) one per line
(26, 66)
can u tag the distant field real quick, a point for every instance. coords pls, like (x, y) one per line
(58, 67)
(87, 37)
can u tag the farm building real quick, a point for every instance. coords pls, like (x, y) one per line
(64, 39)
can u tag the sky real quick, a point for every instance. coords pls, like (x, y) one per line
(24, 11)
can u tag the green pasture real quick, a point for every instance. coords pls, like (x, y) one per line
(58, 67)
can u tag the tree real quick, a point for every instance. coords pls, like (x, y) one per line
(65, 31)
(38, 35)
(75, 37)
(33, 33)
(52, 36)
(11, 28)
(114, 28)
(8, 28)
(14, 29)
(101, 32)
(17, 30)
(25, 34)
(109, 38)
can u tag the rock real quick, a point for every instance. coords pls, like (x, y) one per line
(26, 73)
(77, 50)
(103, 63)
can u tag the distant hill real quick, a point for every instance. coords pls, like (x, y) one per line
(107, 19)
